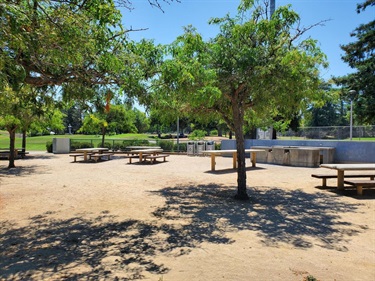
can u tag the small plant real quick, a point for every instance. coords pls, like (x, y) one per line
(166, 145)
(310, 278)
(49, 146)
(197, 135)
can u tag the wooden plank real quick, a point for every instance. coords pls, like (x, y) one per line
(359, 184)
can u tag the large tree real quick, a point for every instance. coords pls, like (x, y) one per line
(360, 55)
(60, 41)
(256, 67)
(19, 109)
(76, 45)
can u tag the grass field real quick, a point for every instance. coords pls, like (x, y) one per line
(38, 143)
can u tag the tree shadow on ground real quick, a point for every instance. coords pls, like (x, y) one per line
(78, 248)
(232, 171)
(105, 248)
(349, 191)
(19, 171)
(278, 216)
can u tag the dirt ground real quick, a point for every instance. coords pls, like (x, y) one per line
(177, 220)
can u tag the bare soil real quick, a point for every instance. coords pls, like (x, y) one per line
(177, 220)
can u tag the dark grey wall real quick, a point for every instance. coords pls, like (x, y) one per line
(345, 151)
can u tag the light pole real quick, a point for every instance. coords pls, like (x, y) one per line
(351, 95)
(272, 7)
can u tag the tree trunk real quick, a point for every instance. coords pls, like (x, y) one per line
(12, 140)
(241, 167)
(238, 120)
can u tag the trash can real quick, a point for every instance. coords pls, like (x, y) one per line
(200, 147)
(210, 145)
(190, 148)
(60, 145)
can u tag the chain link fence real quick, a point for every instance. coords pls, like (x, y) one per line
(333, 132)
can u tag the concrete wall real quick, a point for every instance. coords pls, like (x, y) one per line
(345, 151)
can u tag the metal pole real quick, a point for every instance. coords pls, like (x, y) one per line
(272, 8)
(351, 96)
(178, 134)
(351, 119)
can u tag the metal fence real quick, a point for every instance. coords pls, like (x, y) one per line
(334, 132)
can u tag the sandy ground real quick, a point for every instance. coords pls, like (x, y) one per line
(177, 221)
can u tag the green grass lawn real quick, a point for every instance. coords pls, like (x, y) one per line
(38, 143)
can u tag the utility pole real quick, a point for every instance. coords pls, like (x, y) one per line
(272, 8)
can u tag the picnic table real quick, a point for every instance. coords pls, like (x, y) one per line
(6, 153)
(232, 152)
(341, 168)
(85, 152)
(141, 147)
(144, 152)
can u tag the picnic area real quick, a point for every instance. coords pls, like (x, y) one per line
(177, 220)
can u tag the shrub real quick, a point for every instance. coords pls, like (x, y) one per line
(75, 145)
(49, 146)
(181, 147)
(126, 143)
(217, 145)
(166, 145)
(197, 135)
(106, 145)
(214, 133)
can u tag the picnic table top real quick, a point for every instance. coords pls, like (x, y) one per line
(227, 151)
(353, 167)
(93, 149)
(142, 147)
(147, 150)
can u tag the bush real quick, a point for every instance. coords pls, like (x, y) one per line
(75, 145)
(166, 145)
(126, 143)
(197, 135)
(217, 145)
(106, 145)
(214, 133)
(49, 146)
(181, 147)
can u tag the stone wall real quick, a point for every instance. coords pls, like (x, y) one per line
(344, 151)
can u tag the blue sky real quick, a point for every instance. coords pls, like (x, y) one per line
(164, 27)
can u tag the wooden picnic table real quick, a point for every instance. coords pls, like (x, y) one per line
(87, 151)
(232, 152)
(141, 152)
(141, 147)
(341, 168)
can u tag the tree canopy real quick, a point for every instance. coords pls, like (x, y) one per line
(360, 55)
(255, 69)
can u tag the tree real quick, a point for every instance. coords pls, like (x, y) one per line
(19, 109)
(360, 55)
(118, 119)
(46, 43)
(256, 67)
(330, 111)
(142, 123)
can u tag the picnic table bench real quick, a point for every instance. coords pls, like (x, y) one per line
(341, 168)
(360, 184)
(5, 153)
(141, 154)
(324, 177)
(75, 155)
(153, 158)
(130, 157)
(101, 156)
